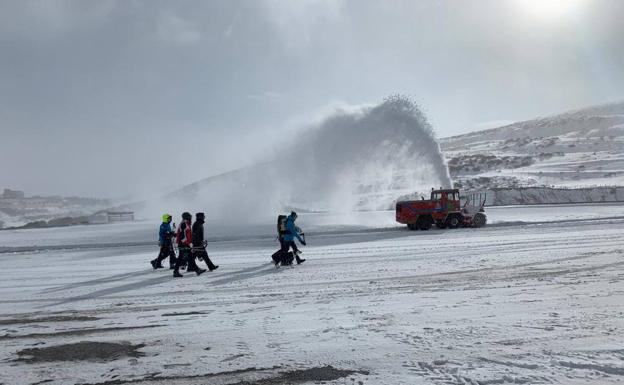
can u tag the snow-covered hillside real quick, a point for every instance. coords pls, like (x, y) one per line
(582, 148)
(20, 211)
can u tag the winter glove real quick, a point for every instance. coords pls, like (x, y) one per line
(303, 243)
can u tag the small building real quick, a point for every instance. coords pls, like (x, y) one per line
(13, 194)
(98, 218)
(120, 216)
(102, 217)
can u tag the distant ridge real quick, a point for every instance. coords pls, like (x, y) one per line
(581, 148)
(588, 118)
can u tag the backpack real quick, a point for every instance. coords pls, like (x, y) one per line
(281, 226)
(283, 258)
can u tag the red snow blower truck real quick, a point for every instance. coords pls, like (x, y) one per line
(444, 209)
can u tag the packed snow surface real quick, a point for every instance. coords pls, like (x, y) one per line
(536, 297)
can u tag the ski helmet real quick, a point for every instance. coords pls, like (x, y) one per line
(186, 216)
(293, 214)
(166, 217)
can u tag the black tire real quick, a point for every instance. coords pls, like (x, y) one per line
(479, 220)
(440, 224)
(424, 223)
(412, 226)
(453, 222)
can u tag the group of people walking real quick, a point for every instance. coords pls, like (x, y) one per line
(189, 238)
(191, 243)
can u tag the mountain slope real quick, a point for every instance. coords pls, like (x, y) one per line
(579, 148)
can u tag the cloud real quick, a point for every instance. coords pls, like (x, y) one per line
(270, 96)
(230, 28)
(43, 19)
(177, 30)
(298, 22)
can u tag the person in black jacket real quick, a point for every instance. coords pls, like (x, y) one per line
(199, 243)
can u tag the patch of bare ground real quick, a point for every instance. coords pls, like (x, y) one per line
(81, 351)
(323, 373)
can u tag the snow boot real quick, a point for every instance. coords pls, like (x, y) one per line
(214, 267)
(176, 274)
(155, 264)
(300, 260)
(200, 271)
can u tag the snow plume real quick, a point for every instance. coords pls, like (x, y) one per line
(365, 159)
(356, 159)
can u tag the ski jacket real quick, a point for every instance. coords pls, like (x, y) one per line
(165, 234)
(291, 230)
(198, 234)
(184, 236)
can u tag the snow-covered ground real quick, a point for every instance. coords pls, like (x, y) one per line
(534, 298)
(145, 233)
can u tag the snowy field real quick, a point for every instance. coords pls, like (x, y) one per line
(535, 298)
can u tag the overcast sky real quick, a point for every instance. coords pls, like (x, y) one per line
(109, 98)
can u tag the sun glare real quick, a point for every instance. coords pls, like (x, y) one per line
(549, 9)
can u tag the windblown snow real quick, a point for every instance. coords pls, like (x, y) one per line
(353, 160)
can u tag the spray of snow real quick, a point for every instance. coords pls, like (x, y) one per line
(355, 159)
(365, 159)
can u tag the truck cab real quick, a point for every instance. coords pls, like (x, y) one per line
(448, 200)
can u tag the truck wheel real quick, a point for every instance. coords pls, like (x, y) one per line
(453, 222)
(479, 220)
(412, 226)
(424, 223)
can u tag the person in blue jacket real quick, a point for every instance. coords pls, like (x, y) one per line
(292, 232)
(165, 234)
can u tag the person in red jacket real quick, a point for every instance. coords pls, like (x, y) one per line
(184, 238)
